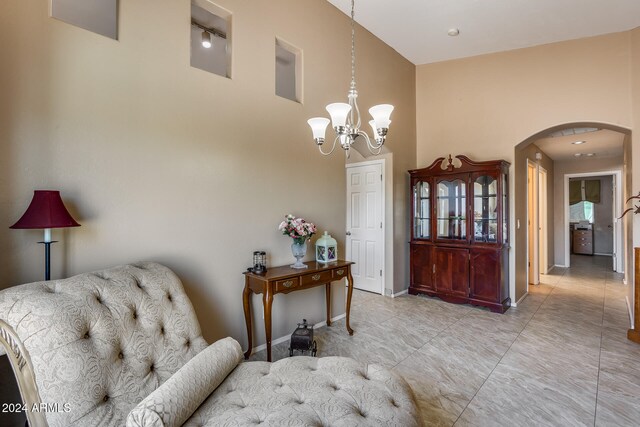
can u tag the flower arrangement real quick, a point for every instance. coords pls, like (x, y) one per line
(297, 228)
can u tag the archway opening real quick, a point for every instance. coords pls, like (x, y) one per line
(542, 221)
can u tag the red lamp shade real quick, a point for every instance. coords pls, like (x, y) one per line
(46, 211)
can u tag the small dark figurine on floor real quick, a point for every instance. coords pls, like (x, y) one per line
(302, 339)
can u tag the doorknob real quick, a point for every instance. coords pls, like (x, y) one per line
(348, 233)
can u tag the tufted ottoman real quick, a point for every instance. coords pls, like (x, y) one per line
(123, 346)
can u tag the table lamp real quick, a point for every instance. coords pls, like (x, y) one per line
(46, 211)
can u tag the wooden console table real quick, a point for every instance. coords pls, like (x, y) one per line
(282, 280)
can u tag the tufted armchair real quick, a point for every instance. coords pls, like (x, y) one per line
(123, 346)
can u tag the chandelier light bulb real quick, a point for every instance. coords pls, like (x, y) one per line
(319, 128)
(372, 123)
(339, 112)
(206, 39)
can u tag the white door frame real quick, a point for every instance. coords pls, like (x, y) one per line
(536, 270)
(543, 213)
(619, 249)
(382, 163)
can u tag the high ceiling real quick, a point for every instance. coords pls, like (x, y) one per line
(417, 29)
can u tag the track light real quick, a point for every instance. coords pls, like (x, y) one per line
(206, 39)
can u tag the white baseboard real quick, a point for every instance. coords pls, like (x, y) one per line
(515, 304)
(561, 266)
(550, 268)
(286, 337)
(598, 253)
(630, 312)
(397, 294)
(624, 282)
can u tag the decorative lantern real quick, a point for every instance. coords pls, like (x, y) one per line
(302, 339)
(326, 249)
(259, 262)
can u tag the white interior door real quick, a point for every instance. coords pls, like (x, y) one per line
(364, 226)
(542, 220)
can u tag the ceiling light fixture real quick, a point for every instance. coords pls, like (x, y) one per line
(206, 40)
(453, 32)
(578, 155)
(345, 117)
(207, 33)
(578, 142)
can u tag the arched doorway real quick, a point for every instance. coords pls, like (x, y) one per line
(532, 162)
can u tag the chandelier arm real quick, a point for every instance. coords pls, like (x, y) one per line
(358, 123)
(374, 148)
(332, 148)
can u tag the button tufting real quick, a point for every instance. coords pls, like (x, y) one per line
(169, 297)
(152, 368)
(161, 330)
(187, 343)
(134, 314)
(120, 355)
(394, 403)
(86, 335)
(106, 398)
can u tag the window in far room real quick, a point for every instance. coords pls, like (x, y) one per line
(581, 211)
(210, 38)
(288, 71)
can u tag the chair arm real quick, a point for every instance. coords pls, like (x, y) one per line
(23, 371)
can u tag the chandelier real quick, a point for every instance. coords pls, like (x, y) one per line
(345, 117)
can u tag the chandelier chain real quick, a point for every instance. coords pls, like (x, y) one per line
(353, 46)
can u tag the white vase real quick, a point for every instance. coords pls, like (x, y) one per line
(299, 250)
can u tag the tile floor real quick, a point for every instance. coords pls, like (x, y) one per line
(561, 358)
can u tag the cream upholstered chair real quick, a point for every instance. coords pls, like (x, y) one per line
(123, 346)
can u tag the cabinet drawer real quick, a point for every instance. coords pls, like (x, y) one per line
(339, 273)
(283, 285)
(320, 277)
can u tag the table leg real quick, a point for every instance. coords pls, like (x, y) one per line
(267, 299)
(246, 302)
(328, 295)
(349, 294)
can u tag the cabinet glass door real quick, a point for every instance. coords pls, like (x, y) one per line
(505, 209)
(422, 213)
(451, 210)
(485, 209)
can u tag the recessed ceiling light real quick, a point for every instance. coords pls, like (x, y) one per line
(578, 142)
(578, 154)
(453, 32)
(590, 154)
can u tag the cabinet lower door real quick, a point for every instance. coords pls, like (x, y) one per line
(485, 277)
(421, 267)
(451, 271)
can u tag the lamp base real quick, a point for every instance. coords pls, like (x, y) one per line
(47, 259)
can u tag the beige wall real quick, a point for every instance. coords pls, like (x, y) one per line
(522, 155)
(484, 106)
(166, 162)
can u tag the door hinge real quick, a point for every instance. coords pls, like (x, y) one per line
(380, 273)
(380, 177)
(380, 224)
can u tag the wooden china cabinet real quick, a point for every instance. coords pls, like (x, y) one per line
(460, 232)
